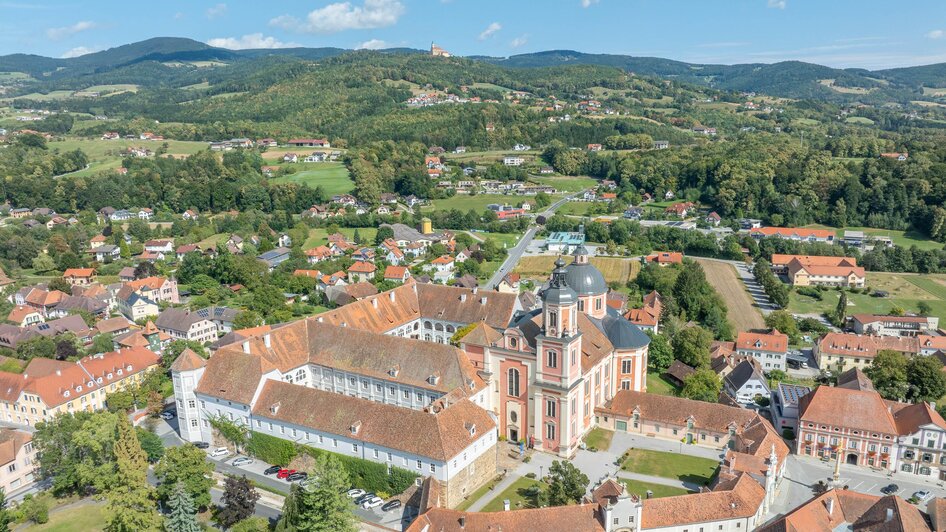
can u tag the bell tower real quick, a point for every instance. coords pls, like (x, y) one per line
(559, 344)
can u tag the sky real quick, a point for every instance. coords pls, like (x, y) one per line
(839, 33)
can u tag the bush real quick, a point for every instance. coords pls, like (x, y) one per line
(526, 460)
(367, 475)
(530, 475)
(271, 449)
(788, 434)
(35, 509)
(809, 291)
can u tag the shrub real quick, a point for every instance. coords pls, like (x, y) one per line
(809, 291)
(35, 509)
(271, 449)
(788, 434)
(370, 476)
(530, 475)
(526, 460)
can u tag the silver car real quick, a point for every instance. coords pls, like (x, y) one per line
(242, 461)
(373, 502)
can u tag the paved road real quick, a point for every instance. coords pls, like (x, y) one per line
(514, 254)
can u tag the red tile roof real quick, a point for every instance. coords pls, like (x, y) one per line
(774, 341)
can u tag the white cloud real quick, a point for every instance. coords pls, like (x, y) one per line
(253, 40)
(519, 41)
(777, 4)
(588, 3)
(178, 16)
(218, 10)
(79, 50)
(342, 16)
(68, 31)
(373, 44)
(936, 34)
(490, 31)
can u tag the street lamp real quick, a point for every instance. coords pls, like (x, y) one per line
(541, 475)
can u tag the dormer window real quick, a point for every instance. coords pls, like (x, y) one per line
(393, 371)
(355, 427)
(274, 408)
(472, 428)
(99, 380)
(128, 367)
(109, 376)
(90, 384)
(78, 389)
(433, 380)
(65, 393)
(119, 371)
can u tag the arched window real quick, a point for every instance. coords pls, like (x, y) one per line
(512, 382)
(427, 325)
(438, 327)
(553, 319)
(451, 329)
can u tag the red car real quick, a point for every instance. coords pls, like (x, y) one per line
(284, 473)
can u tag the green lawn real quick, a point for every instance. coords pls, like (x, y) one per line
(901, 238)
(518, 496)
(599, 438)
(81, 519)
(670, 465)
(659, 490)
(905, 291)
(319, 235)
(478, 203)
(509, 239)
(97, 149)
(567, 184)
(859, 120)
(583, 208)
(332, 177)
(477, 495)
(658, 384)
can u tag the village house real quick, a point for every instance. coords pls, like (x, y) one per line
(48, 387)
(182, 324)
(79, 276)
(443, 268)
(274, 257)
(648, 316)
(135, 306)
(509, 283)
(680, 210)
(157, 288)
(713, 219)
(106, 253)
(318, 254)
(665, 258)
(784, 406)
(397, 274)
(883, 325)
(361, 272)
(24, 316)
(309, 143)
(769, 349)
(809, 270)
(840, 352)
(18, 460)
(746, 383)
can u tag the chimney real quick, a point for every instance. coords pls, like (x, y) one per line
(319, 319)
(374, 302)
(732, 463)
(246, 346)
(58, 373)
(483, 300)
(462, 298)
(266, 341)
(391, 295)
(889, 517)
(830, 506)
(505, 505)
(462, 521)
(475, 288)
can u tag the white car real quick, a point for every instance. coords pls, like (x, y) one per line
(219, 451)
(243, 460)
(373, 502)
(167, 416)
(922, 495)
(354, 493)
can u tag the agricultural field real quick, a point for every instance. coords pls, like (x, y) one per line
(863, 120)
(905, 291)
(742, 313)
(582, 208)
(478, 203)
(14, 76)
(104, 154)
(614, 269)
(109, 90)
(910, 237)
(567, 184)
(934, 91)
(844, 90)
(332, 177)
(48, 97)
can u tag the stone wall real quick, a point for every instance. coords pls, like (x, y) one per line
(465, 483)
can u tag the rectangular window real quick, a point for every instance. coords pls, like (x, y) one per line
(354, 447)
(550, 407)
(420, 464)
(626, 366)
(374, 452)
(550, 432)
(433, 468)
(551, 359)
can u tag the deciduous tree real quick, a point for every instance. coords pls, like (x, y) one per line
(702, 385)
(188, 465)
(567, 485)
(239, 501)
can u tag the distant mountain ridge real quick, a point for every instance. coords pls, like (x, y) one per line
(787, 78)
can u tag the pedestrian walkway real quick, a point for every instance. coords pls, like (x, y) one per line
(491, 494)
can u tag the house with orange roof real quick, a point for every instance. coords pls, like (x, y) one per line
(24, 316)
(318, 254)
(48, 387)
(665, 258)
(842, 351)
(314, 274)
(443, 268)
(157, 288)
(18, 460)
(823, 236)
(921, 441)
(397, 274)
(647, 317)
(769, 349)
(680, 210)
(362, 272)
(885, 325)
(79, 276)
(97, 241)
(899, 156)
(842, 509)
(810, 270)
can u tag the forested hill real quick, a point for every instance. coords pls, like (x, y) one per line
(153, 62)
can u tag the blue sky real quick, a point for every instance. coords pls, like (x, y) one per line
(842, 33)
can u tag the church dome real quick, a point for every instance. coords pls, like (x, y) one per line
(585, 279)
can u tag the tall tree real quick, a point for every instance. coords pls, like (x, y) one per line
(182, 514)
(5, 517)
(692, 346)
(888, 372)
(840, 312)
(702, 385)
(239, 501)
(927, 382)
(568, 484)
(321, 506)
(188, 465)
(129, 507)
(660, 352)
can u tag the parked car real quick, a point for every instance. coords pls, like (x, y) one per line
(354, 493)
(360, 500)
(201, 445)
(167, 415)
(301, 475)
(242, 461)
(922, 495)
(373, 502)
(219, 451)
(390, 505)
(284, 473)
(890, 489)
(272, 470)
